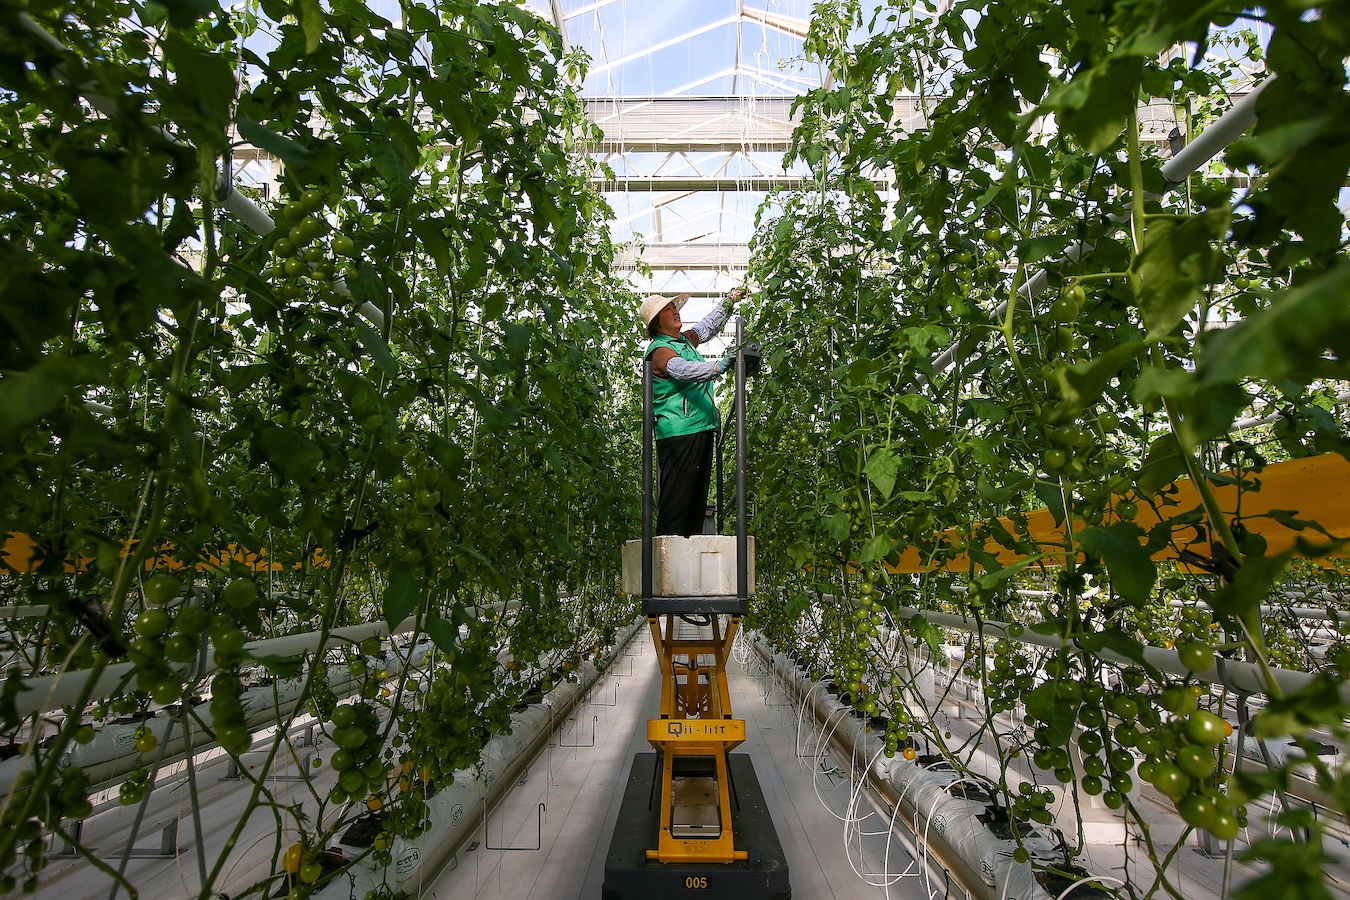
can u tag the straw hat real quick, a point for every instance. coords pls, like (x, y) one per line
(652, 306)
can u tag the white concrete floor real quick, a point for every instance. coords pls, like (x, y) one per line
(582, 789)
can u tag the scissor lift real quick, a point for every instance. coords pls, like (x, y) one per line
(693, 817)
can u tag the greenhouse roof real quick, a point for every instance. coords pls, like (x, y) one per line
(695, 99)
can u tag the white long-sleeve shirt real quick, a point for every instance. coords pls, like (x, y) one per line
(687, 370)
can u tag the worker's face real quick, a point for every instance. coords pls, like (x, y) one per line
(670, 319)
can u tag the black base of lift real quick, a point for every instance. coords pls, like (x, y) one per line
(629, 876)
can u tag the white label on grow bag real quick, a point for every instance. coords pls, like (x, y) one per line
(456, 813)
(408, 861)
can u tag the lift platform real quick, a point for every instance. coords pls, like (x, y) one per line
(693, 817)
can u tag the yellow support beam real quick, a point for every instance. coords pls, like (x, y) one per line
(1315, 489)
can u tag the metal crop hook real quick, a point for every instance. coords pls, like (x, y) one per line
(618, 674)
(538, 837)
(616, 698)
(594, 721)
(769, 692)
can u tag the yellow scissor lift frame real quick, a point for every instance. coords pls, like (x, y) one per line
(695, 721)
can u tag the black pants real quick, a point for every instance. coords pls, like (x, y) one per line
(685, 471)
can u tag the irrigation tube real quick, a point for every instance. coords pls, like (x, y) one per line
(455, 812)
(50, 692)
(1239, 676)
(946, 828)
(112, 753)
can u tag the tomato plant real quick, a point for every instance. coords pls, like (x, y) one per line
(408, 399)
(1033, 322)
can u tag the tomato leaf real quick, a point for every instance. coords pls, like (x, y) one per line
(1082, 383)
(1162, 466)
(1177, 261)
(881, 470)
(996, 576)
(1095, 106)
(1058, 717)
(310, 14)
(278, 145)
(1288, 340)
(282, 666)
(1132, 571)
(28, 396)
(294, 457)
(877, 547)
(402, 594)
(442, 633)
(374, 344)
(1241, 598)
(1053, 498)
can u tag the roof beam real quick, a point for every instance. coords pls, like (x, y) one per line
(648, 51)
(555, 6)
(787, 24)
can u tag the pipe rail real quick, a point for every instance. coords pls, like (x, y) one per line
(1244, 677)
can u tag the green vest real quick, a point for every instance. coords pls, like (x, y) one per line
(681, 407)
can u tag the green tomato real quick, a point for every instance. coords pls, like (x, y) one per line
(192, 621)
(1063, 310)
(1177, 700)
(310, 228)
(1170, 781)
(146, 743)
(310, 872)
(1127, 509)
(1121, 760)
(343, 245)
(234, 737)
(1196, 761)
(1223, 825)
(152, 622)
(311, 199)
(344, 716)
(1197, 810)
(1196, 656)
(84, 734)
(352, 737)
(1055, 458)
(230, 641)
(161, 589)
(1205, 728)
(342, 760)
(180, 649)
(240, 593)
(1091, 784)
(166, 691)
(1113, 799)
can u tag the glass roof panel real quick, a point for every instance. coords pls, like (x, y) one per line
(690, 48)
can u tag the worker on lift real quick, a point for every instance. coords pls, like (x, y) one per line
(686, 416)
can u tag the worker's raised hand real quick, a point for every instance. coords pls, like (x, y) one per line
(737, 294)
